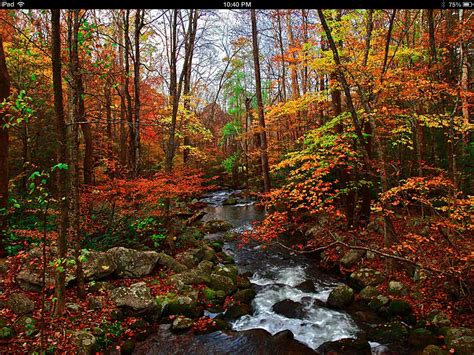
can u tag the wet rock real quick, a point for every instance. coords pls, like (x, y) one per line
(347, 346)
(19, 303)
(221, 282)
(397, 288)
(221, 324)
(389, 332)
(229, 270)
(283, 336)
(99, 265)
(185, 306)
(368, 293)
(181, 323)
(6, 333)
(170, 263)
(238, 310)
(85, 342)
(352, 257)
(420, 338)
(135, 299)
(461, 339)
(399, 308)
(366, 277)
(226, 258)
(289, 309)
(243, 282)
(433, 350)
(133, 263)
(306, 286)
(216, 225)
(244, 296)
(341, 296)
(230, 201)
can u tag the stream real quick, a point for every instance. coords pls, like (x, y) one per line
(276, 276)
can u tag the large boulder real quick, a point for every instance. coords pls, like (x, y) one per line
(85, 342)
(341, 296)
(306, 286)
(347, 346)
(19, 303)
(221, 282)
(135, 299)
(133, 263)
(352, 257)
(99, 265)
(460, 339)
(216, 225)
(289, 309)
(366, 277)
(31, 280)
(170, 263)
(237, 311)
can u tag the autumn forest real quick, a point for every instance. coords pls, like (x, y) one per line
(236, 181)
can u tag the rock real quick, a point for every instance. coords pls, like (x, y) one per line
(289, 309)
(237, 311)
(187, 258)
(221, 282)
(433, 350)
(347, 346)
(209, 254)
(243, 282)
(135, 299)
(368, 293)
(306, 286)
(399, 308)
(420, 338)
(461, 339)
(244, 296)
(31, 280)
(439, 319)
(283, 336)
(85, 342)
(226, 258)
(185, 306)
(216, 225)
(116, 314)
(217, 245)
(127, 347)
(397, 288)
(3, 267)
(6, 333)
(133, 263)
(19, 303)
(73, 306)
(168, 262)
(190, 277)
(221, 324)
(205, 266)
(389, 332)
(230, 201)
(99, 286)
(182, 323)
(366, 277)
(96, 302)
(352, 257)
(99, 265)
(378, 302)
(229, 270)
(341, 296)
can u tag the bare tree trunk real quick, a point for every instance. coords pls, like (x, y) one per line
(431, 33)
(282, 53)
(62, 156)
(369, 27)
(123, 108)
(136, 69)
(261, 116)
(4, 142)
(131, 129)
(295, 91)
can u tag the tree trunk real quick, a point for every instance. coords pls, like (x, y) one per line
(136, 70)
(295, 91)
(123, 108)
(131, 129)
(4, 142)
(63, 177)
(261, 116)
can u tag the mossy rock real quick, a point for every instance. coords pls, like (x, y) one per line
(368, 293)
(365, 277)
(4, 322)
(238, 310)
(244, 296)
(222, 282)
(461, 339)
(221, 324)
(209, 294)
(439, 319)
(390, 332)
(205, 266)
(421, 337)
(379, 302)
(399, 308)
(217, 245)
(243, 282)
(433, 350)
(229, 270)
(397, 288)
(341, 296)
(6, 333)
(127, 347)
(183, 305)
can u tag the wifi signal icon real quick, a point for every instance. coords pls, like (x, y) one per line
(20, 3)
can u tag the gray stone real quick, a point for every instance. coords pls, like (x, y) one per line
(352, 257)
(439, 319)
(136, 298)
(85, 342)
(216, 225)
(368, 293)
(187, 258)
(171, 264)
(461, 339)
(341, 296)
(190, 277)
(366, 277)
(397, 288)
(182, 323)
(19, 303)
(205, 266)
(133, 263)
(221, 282)
(99, 265)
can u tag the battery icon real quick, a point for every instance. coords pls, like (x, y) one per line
(467, 4)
